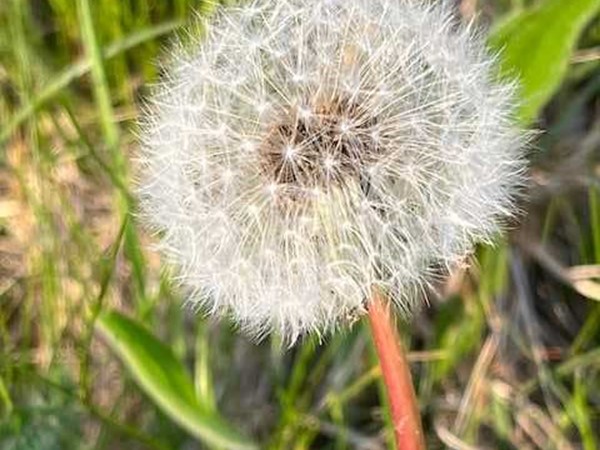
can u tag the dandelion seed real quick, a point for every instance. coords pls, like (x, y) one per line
(302, 152)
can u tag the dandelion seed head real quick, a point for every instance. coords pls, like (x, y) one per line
(300, 153)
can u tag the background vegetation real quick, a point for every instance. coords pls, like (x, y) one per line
(506, 355)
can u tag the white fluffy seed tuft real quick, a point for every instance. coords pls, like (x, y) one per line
(300, 153)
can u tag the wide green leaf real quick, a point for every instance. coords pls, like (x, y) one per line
(162, 376)
(536, 46)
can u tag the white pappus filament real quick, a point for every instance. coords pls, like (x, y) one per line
(299, 153)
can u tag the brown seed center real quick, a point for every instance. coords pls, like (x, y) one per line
(319, 146)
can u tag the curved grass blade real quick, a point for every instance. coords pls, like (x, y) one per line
(71, 73)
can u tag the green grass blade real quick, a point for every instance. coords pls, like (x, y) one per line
(162, 376)
(107, 268)
(581, 415)
(203, 379)
(594, 205)
(536, 46)
(100, 85)
(5, 400)
(80, 68)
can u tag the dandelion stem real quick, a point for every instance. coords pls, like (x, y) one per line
(396, 376)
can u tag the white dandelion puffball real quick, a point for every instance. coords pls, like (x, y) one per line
(300, 153)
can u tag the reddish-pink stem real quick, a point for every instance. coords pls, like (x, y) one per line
(396, 376)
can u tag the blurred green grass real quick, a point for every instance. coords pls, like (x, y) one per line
(506, 356)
